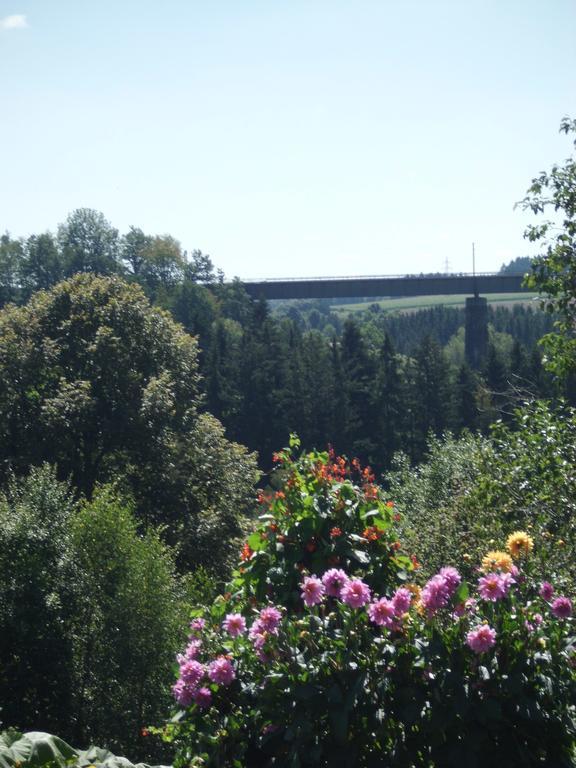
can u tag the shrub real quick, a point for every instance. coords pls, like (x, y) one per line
(343, 667)
(326, 513)
(527, 481)
(38, 589)
(91, 614)
(431, 496)
(126, 625)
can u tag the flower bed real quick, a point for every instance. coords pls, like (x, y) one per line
(326, 651)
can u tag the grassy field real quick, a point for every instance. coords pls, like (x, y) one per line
(413, 303)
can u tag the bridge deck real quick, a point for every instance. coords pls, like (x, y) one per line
(358, 287)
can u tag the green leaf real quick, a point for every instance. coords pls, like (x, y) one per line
(462, 593)
(256, 542)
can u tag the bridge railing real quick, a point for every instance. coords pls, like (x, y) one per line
(416, 276)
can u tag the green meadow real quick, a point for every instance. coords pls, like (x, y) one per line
(412, 303)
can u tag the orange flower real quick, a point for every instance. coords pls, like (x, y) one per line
(371, 533)
(415, 590)
(370, 491)
(246, 552)
(368, 475)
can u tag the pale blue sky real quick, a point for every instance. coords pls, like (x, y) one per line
(288, 137)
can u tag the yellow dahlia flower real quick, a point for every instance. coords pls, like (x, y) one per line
(519, 543)
(497, 560)
(415, 590)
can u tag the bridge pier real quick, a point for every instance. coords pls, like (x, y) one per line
(476, 330)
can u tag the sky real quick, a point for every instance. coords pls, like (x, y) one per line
(288, 137)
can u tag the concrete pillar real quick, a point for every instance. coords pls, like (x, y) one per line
(476, 338)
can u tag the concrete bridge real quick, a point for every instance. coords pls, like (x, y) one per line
(403, 285)
(381, 286)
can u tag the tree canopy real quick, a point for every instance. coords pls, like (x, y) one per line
(106, 387)
(554, 271)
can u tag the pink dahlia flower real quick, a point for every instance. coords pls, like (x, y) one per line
(221, 671)
(312, 591)
(269, 619)
(546, 590)
(191, 651)
(401, 600)
(197, 625)
(382, 613)
(494, 586)
(451, 578)
(333, 581)
(183, 693)
(435, 594)
(203, 697)
(355, 593)
(257, 635)
(234, 624)
(562, 607)
(191, 672)
(481, 639)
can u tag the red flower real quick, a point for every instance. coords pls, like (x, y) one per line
(144, 732)
(335, 532)
(246, 553)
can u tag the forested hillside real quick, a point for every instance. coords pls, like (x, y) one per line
(367, 385)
